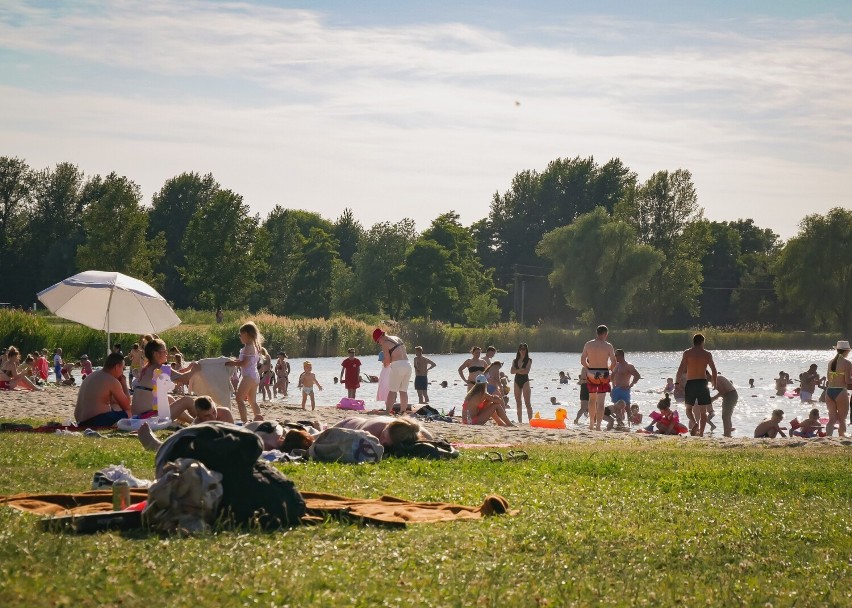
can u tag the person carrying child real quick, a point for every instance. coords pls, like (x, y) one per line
(307, 382)
(282, 374)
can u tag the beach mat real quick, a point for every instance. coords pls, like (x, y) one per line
(387, 510)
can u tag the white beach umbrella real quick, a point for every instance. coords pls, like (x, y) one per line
(110, 301)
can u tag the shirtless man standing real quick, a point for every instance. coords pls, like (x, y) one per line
(695, 362)
(396, 359)
(598, 357)
(102, 389)
(624, 377)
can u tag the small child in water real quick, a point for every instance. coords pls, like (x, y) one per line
(635, 415)
(665, 419)
(307, 381)
(770, 428)
(809, 427)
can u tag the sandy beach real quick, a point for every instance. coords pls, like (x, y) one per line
(56, 403)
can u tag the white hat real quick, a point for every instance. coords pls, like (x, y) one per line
(842, 345)
(482, 379)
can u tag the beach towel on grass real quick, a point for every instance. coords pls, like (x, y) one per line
(387, 510)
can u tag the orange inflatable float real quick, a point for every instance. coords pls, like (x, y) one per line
(550, 423)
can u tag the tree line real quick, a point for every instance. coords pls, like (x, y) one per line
(576, 243)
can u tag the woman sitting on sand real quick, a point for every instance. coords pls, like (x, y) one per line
(142, 405)
(11, 376)
(479, 407)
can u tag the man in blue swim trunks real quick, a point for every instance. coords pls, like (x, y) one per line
(624, 377)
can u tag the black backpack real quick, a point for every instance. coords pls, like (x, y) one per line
(254, 492)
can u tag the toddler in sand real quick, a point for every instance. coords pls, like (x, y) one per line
(307, 381)
(770, 428)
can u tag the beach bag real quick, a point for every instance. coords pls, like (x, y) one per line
(185, 499)
(350, 404)
(346, 445)
(254, 493)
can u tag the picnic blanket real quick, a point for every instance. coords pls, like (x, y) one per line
(387, 510)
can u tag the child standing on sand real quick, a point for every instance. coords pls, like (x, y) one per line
(350, 373)
(307, 381)
(770, 428)
(57, 365)
(247, 364)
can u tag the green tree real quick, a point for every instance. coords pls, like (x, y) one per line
(814, 271)
(171, 209)
(115, 225)
(16, 195)
(310, 292)
(348, 232)
(287, 230)
(380, 251)
(722, 269)
(755, 299)
(598, 265)
(56, 227)
(428, 277)
(482, 311)
(665, 213)
(219, 244)
(344, 290)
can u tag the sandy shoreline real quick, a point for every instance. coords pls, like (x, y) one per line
(56, 403)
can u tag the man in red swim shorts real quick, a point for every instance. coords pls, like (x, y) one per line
(598, 357)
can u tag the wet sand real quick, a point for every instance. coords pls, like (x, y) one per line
(56, 403)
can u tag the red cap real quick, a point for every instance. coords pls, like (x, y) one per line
(377, 333)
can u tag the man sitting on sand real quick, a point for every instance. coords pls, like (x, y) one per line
(103, 391)
(769, 429)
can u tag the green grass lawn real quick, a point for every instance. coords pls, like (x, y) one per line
(610, 524)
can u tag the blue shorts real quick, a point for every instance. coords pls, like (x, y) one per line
(620, 394)
(105, 419)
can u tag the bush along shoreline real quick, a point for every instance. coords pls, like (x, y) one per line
(301, 338)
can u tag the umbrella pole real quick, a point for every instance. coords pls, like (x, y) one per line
(109, 305)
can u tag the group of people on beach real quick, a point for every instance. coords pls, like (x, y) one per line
(108, 395)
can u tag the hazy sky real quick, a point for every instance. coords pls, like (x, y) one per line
(400, 111)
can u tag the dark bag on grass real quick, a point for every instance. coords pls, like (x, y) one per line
(254, 493)
(436, 449)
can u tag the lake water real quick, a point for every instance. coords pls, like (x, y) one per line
(737, 365)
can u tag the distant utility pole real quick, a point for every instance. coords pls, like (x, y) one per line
(521, 272)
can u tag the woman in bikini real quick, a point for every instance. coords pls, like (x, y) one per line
(521, 368)
(479, 407)
(474, 367)
(247, 362)
(142, 405)
(11, 376)
(838, 381)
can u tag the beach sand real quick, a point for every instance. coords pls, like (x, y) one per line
(56, 403)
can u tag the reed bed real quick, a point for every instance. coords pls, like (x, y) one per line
(331, 337)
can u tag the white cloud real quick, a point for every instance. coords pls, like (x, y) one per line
(413, 121)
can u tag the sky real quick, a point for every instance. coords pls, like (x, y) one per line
(397, 109)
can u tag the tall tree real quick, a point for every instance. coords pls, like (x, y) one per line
(429, 278)
(665, 213)
(115, 226)
(722, 269)
(348, 232)
(57, 222)
(310, 292)
(755, 299)
(221, 261)
(16, 194)
(380, 251)
(614, 266)
(814, 272)
(171, 209)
